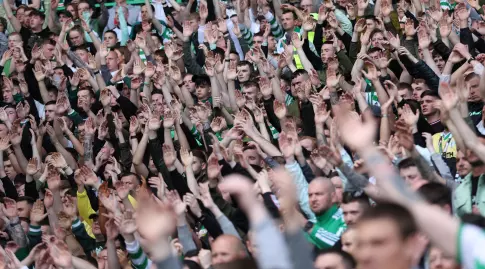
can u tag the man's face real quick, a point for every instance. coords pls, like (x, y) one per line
(252, 156)
(224, 251)
(327, 52)
(96, 227)
(271, 43)
(233, 59)
(404, 93)
(20, 15)
(349, 241)
(439, 260)
(418, 89)
(7, 95)
(440, 63)
(297, 83)
(319, 196)
(427, 105)
(11, 114)
(9, 170)
(463, 167)
(83, 54)
(339, 188)
(23, 209)
(144, 13)
(194, 24)
(50, 112)
(197, 165)
(189, 85)
(352, 212)
(157, 100)
(258, 41)
(380, 245)
(377, 39)
(110, 40)
(371, 24)
(288, 21)
(243, 73)
(129, 182)
(473, 85)
(112, 61)
(251, 92)
(329, 261)
(83, 7)
(306, 6)
(14, 41)
(412, 177)
(76, 38)
(202, 91)
(48, 50)
(36, 22)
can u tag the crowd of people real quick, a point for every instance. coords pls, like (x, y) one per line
(243, 134)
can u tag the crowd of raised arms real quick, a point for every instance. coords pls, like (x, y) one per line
(346, 134)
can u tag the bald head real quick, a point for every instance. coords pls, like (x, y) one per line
(321, 195)
(227, 248)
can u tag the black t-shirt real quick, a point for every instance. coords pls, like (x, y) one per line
(437, 127)
(474, 189)
(30, 38)
(475, 111)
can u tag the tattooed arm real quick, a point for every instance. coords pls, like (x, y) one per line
(88, 150)
(17, 232)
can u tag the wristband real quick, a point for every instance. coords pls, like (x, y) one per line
(212, 46)
(227, 60)
(384, 115)
(133, 137)
(96, 72)
(470, 59)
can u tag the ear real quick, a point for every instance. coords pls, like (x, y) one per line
(204, 165)
(112, 151)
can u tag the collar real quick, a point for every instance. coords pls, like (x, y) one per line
(328, 214)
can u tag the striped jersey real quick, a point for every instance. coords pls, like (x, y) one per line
(471, 246)
(328, 228)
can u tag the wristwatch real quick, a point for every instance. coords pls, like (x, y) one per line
(470, 59)
(308, 226)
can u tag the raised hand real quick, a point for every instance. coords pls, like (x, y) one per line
(169, 155)
(33, 166)
(355, 133)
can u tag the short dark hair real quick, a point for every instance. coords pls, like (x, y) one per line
(374, 49)
(27, 199)
(430, 93)
(404, 85)
(370, 17)
(406, 163)
(348, 261)
(127, 174)
(436, 193)
(360, 197)
(398, 214)
(299, 72)
(50, 103)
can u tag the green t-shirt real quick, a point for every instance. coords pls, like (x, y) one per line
(328, 229)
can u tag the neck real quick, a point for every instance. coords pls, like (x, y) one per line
(478, 170)
(433, 117)
(37, 29)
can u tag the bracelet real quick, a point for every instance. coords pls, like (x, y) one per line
(133, 137)
(385, 115)
(227, 60)
(146, 83)
(96, 72)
